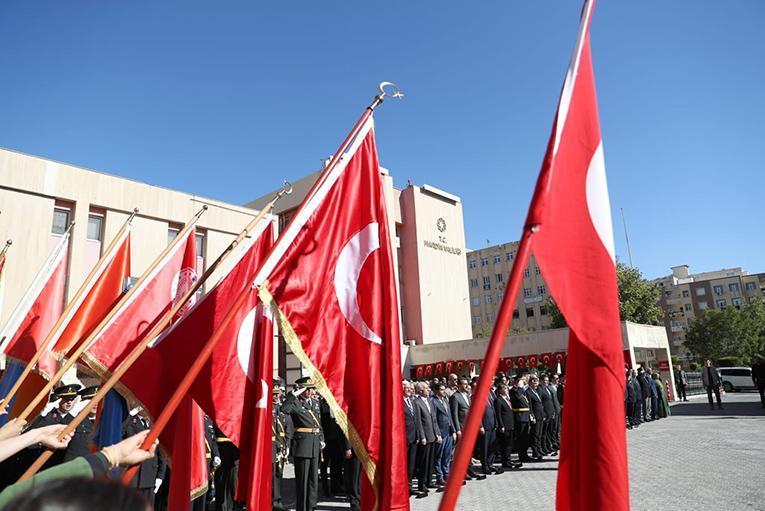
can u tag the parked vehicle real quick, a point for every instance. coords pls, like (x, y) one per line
(736, 378)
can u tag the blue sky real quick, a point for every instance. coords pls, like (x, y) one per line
(226, 99)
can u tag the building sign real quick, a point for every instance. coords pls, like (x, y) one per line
(441, 244)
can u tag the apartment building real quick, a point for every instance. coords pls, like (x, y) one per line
(686, 296)
(488, 273)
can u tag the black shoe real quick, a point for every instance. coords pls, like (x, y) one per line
(499, 471)
(421, 495)
(517, 465)
(555, 453)
(413, 492)
(480, 477)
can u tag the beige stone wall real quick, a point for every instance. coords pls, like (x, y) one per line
(30, 187)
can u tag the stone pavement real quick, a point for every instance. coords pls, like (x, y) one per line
(697, 459)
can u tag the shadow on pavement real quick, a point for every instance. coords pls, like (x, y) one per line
(730, 410)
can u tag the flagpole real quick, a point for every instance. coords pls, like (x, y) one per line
(488, 368)
(156, 330)
(43, 394)
(180, 392)
(73, 303)
(8, 244)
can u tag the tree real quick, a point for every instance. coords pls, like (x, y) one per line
(638, 299)
(728, 334)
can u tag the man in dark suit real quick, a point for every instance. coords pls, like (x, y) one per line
(351, 474)
(637, 412)
(486, 436)
(429, 434)
(537, 417)
(710, 378)
(459, 404)
(681, 381)
(411, 432)
(448, 432)
(307, 443)
(645, 391)
(522, 417)
(548, 434)
(505, 425)
(630, 399)
(145, 480)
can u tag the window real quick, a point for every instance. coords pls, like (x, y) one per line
(498, 277)
(476, 320)
(526, 273)
(172, 233)
(95, 227)
(509, 256)
(60, 220)
(543, 310)
(486, 283)
(500, 295)
(527, 292)
(686, 294)
(497, 259)
(750, 286)
(515, 314)
(484, 261)
(733, 287)
(718, 290)
(200, 244)
(487, 298)
(473, 282)
(721, 304)
(703, 306)
(736, 302)
(529, 312)
(541, 290)
(476, 300)
(700, 291)
(489, 317)
(688, 306)
(537, 271)
(471, 263)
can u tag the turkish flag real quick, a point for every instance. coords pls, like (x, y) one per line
(38, 312)
(101, 293)
(331, 284)
(234, 386)
(574, 246)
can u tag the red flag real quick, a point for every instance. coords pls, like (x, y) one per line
(574, 247)
(167, 282)
(104, 290)
(331, 284)
(223, 388)
(38, 311)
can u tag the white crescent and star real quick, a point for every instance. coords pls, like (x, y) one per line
(347, 271)
(246, 335)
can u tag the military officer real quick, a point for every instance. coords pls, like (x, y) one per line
(227, 474)
(278, 447)
(307, 443)
(151, 471)
(80, 444)
(522, 417)
(67, 396)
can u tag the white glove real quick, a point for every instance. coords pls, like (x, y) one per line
(323, 445)
(216, 461)
(157, 484)
(297, 392)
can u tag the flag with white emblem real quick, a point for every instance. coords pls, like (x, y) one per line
(331, 286)
(574, 247)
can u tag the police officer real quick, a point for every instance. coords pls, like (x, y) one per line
(302, 406)
(80, 444)
(278, 447)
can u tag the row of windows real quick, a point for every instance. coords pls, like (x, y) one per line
(498, 278)
(530, 313)
(509, 256)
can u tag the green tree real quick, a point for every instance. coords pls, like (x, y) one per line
(730, 334)
(638, 299)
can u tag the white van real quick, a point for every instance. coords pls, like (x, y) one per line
(736, 378)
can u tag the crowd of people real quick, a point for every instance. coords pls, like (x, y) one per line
(521, 423)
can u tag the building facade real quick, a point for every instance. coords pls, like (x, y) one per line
(686, 296)
(488, 273)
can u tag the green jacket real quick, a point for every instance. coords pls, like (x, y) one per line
(78, 467)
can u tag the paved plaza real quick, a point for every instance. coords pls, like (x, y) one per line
(697, 459)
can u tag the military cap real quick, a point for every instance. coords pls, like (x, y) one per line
(89, 392)
(65, 392)
(276, 385)
(305, 383)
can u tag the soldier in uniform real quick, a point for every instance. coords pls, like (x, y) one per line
(522, 417)
(150, 471)
(67, 396)
(307, 443)
(227, 474)
(212, 454)
(80, 444)
(278, 447)
(351, 474)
